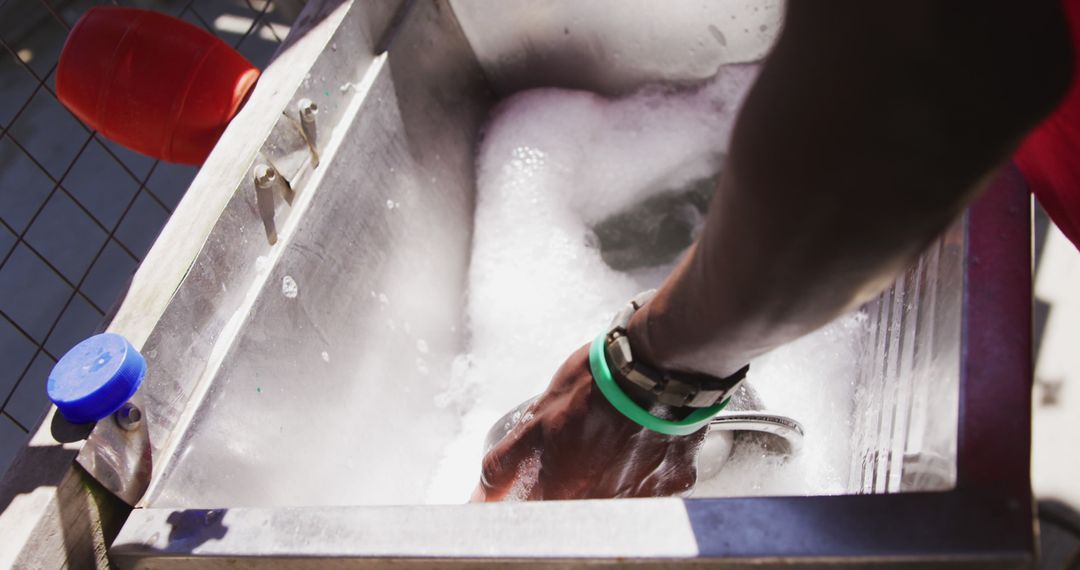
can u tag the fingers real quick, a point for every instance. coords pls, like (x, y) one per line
(511, 470)
(507, 469)
(572, 444)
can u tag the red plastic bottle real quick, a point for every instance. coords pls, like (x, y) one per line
(1050, 155)
(152, 83)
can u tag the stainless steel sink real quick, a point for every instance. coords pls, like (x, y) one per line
(274, 350)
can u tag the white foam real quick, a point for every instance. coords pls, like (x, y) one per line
(811, 380)
(553, 163)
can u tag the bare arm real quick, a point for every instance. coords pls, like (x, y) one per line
(870, 127)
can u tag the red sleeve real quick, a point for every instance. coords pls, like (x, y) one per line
(1050, 156)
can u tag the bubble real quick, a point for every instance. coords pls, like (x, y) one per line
(553, 166)
(289, 287)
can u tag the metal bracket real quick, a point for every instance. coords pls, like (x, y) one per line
(118, 453)
(286, 161)
(307, 110)
(267, 179)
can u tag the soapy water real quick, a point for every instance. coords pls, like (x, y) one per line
(582, 202)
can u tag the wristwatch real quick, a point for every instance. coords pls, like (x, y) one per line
(681, 389)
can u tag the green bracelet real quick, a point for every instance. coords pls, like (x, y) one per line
(602, 375)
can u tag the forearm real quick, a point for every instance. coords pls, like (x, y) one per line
(853, 151)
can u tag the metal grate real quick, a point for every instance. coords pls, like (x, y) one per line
(77, 212)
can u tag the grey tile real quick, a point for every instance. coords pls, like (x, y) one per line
(16, 86)
(138, 164)
(33, 33)
(12, 439)
(66, 236)
(30, 400)
(72, 10)
(170, 7)
(23, 186)
(50, 82)
(50, 133)
(79, 321)
(194, 20)
(170, 181)
(281, 16)
(261, 6)
(141, 225)
(16, 351)
(229, 20)
(31, 293)
(7, 241)
(278, 30)
(259, 46)
(100, 184)
(109, 276)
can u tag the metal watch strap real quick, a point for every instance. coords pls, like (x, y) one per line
(681, 389)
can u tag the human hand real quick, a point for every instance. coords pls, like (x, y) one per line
(571, 443)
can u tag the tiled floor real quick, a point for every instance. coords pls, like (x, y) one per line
(78, 212)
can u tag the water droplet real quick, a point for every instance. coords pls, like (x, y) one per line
(289, 287)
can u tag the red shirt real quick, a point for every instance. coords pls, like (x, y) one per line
(1050, 156)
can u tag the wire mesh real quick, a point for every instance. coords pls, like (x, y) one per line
(78, 212)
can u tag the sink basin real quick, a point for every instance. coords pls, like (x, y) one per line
(293, 414)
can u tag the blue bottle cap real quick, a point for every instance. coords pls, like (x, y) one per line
(95, 378)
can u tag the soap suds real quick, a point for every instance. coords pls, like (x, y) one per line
(553, 166)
